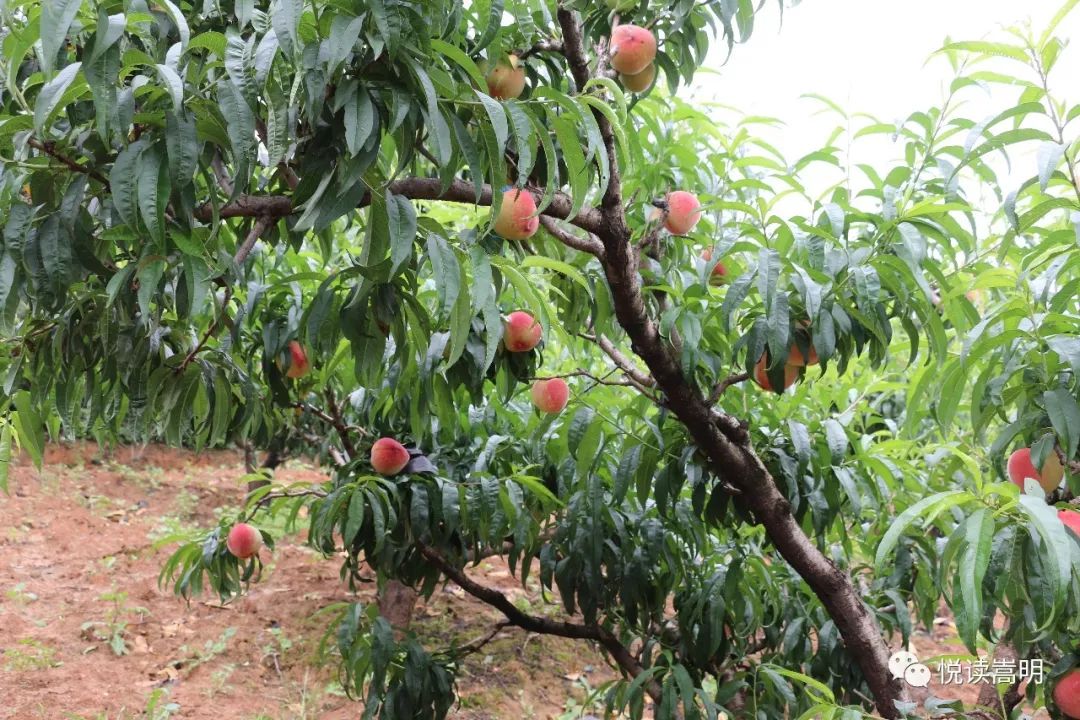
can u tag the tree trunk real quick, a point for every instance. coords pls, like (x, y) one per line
(1000, 706)
(396, 603)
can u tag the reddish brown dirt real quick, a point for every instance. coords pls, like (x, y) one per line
(77, 547)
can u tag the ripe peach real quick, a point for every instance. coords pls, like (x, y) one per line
(517, 215)
(298, 361)
(388, 456)
(719, 272)
(1071, 518)
(522, 332)
(550, 396)
(1020, 466)
(795, 356)
(1067, 694)
(682, 212)
(632, 49)
(761, 374)
(507, 79)
(639, 82)
(244, 541)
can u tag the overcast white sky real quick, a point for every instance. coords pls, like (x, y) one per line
(869, 56)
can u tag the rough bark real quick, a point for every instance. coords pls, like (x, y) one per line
(1001, 706)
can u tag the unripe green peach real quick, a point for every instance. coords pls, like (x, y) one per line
(641, 81)
(517, 218)
(632, 49)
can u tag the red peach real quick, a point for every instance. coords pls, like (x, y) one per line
(1020, 466)
(244, 541)
(682, 212)
(1071, 518)
(632, 49)
(517, 218)
(719, 272)
(639, 82)
(550, 396)
(1067, 694)
(298, 361)
(522, 332)
(761, 374)
(507, 79)
(388, 456)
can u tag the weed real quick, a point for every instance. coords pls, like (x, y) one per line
(29, 654)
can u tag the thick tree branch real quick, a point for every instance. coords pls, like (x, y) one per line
(734, 462)
(460, 191)
(543, 46)
(619, 653)
(49, 148)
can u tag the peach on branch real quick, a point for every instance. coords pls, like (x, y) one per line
(244, 541)
(388, 456)
(298, 361)
(1071, 519)
(506, 80)
(550, 396)
(639, 82)
(517, 218)
(761, 374)
(1021, 466)
(683, 212)
(522, 332)
(1067, 694)
(719, 272)
(632, 49)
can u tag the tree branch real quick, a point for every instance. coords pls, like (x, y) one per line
(49, 148)
(619, 653)
(624, 363)
(262, 224)
(209, 332)
(589, 244)
(459, 191)
(543, 46)
(723, 385)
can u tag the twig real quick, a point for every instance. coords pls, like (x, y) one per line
(209, 332)
(49, 148)
(475, 645)
(583, 373)
(543, 46)
(339, 424)
(223, 180)
(262, 224)
(723, 385)
(639, 378)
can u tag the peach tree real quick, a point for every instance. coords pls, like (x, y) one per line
(488, 265)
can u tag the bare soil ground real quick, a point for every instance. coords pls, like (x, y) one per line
(79, 570)
(86, 633)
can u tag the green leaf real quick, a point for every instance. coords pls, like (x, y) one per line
(5, 457)
(173, 84)
(402, 223)
(1064, 414)
(464, 61)
(49, 97)
(927, 508)
(29, 428)
(978, 536)
(56, 19)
